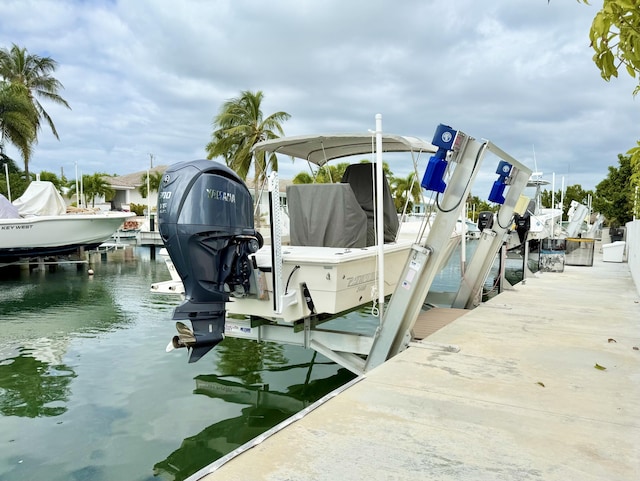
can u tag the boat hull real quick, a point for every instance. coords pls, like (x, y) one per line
(52, 235)
(337, 279)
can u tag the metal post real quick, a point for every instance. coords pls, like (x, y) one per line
(380, 215)
(276, 241)
(6, 172)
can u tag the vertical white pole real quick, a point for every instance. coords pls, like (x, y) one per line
(562, 200)
(77, 188)
(463, 240)
(149, 199)
(380, 214)
(553, 204)
(6, 173)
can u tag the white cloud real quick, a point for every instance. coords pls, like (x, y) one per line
(147, 77)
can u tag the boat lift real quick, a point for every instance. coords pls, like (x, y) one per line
(450, 174)
(394, 333)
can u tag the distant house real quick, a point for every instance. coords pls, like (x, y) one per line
(127, 191)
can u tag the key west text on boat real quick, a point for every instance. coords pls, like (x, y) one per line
(233, 285)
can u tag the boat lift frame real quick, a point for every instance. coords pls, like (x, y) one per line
(360, 353)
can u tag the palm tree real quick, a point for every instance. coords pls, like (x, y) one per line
(155, 179)
(406, 191)
(238, 126)
(17, 66)
(54, 179)
(92, 186)
(303, 178)
(17, 118)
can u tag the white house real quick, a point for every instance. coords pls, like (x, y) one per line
(127, 192)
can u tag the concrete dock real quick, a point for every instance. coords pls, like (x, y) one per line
(540, 383)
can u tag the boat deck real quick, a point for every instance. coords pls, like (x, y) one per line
(541, 382)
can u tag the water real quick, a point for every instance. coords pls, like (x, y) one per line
(87, 391)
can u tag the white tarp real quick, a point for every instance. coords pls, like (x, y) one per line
(40, 198)
(7, 209)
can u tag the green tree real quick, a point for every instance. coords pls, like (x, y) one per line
(17, 66)
(326, 174)
(17, 182)
(239, 125)
(614, 195)
(303, 178)
(17, 119)
(615, 39)
(406, 191)
(571, 192)
(477, 205)
(54, 179)
(92, 186)
(155, 179)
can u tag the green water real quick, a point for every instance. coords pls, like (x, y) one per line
(87, 391)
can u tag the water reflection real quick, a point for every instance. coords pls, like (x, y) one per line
(32, 388)
(87, 390)
(246, 360)
(40, 315)
(264, 408)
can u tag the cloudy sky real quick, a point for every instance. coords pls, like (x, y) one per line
(146, 77)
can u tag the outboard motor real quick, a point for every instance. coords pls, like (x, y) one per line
(205, 218)
(485, 220)
(523, 224)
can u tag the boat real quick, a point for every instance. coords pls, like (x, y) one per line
(39, 224)
(340, 256)
(331, 230)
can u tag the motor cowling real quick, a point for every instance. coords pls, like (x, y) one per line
(523, 225)
(205, 219)
(485, 220)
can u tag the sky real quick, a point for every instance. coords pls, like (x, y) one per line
(145, 78)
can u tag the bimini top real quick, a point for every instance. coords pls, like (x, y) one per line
(320, 149)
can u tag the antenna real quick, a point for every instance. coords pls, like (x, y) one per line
(535, 173)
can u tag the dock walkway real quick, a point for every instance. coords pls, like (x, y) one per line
(540, 383)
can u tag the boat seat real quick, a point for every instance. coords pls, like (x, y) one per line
(325, 215)
(361, 178)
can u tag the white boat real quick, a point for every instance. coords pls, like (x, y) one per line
(331, 246)
(37, 224)
(340, 255)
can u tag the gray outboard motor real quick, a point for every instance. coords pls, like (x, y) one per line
(205, 218)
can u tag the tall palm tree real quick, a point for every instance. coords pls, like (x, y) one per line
(17, 66)
(155, 179)
(17, 118)
(238, 126)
